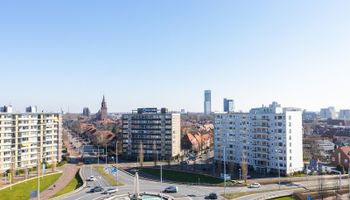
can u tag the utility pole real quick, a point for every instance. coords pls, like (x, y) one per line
(38, 168)
(225, 170)
(106, 156)
(98, 155)
(279, 171)
(116, 156)
(161, 173)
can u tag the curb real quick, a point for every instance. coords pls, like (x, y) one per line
(14, 184)
(74, 191)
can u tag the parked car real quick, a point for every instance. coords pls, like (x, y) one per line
(212, 196)
(171, 189)
(254, 185)
(110, 191)
(91, 178)
(96, 189)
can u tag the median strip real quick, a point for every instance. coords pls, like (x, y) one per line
(111, 179)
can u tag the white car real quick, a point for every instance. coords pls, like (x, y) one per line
(254, 185)
(91, 178)
(110, 191)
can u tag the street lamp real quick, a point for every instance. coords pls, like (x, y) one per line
(224, 170)
(279, 171)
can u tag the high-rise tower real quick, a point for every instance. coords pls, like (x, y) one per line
(207, 102)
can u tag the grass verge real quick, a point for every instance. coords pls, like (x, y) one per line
(74, 184)
(183, 177)
(241, 194)
(111, 179)
(284, 198)
(22, 191)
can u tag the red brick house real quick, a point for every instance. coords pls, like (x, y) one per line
(341, 156)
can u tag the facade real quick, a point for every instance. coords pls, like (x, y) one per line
(341, 156)
(102, 113)
(344, 114)
(229, 105)
(309, 116)
(86, 112)
(25, 136)
(328, 113)
(156, 132)
(207, 102)
(267, 138)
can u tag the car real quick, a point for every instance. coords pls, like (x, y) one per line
(110, 191)
(254, 185)
(91, 178)
(171, 189)
(212, 196)
(134, 170)
(96, 189)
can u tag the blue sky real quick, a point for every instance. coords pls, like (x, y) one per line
(165, 53)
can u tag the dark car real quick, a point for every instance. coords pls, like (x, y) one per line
(212, 196)
(171, 189)
(96, 189)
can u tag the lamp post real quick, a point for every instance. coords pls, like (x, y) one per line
(161, 173)
(98, 155)
(106, 156)
(224, 170)
(279, 171)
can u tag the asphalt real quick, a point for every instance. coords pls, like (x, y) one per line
(185, 191)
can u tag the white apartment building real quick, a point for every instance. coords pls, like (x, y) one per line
(267, 138)
(25, 136)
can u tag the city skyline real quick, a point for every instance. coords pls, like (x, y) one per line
(59, 55)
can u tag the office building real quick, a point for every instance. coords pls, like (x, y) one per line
(344, 114)
(155, 132)
(309, 116)
(267, 138)
(207, 102)
(328, 113)
(25, 136)
(86, 112)
(229, 105)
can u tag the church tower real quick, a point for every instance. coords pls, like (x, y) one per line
(102, 114)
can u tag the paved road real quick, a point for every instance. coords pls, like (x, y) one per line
(185, 191)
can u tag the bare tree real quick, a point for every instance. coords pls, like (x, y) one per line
(219, 166)
(141, 154)
(155, 154)
(232, 168)
(244, 167)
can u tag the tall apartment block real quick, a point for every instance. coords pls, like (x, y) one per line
(328, 113)
(229, 105)
(158, 131)
(207, 102)
(268, 139)
(344, 114)
(25, 136)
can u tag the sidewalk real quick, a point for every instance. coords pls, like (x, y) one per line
(69, 172)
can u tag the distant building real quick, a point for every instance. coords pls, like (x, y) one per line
(267, 138)
(328, 113)
(344, 114)
(102, 113)
(86, 112)
(309, 116)
(229, 105)
(207, 102)
(25, 136)
(157, 132)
